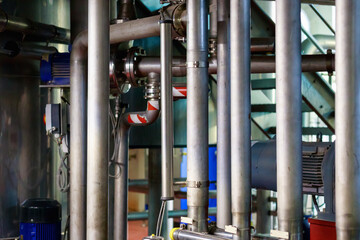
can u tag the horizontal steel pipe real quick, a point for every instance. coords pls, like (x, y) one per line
(321, 2)
(30, 29)
(221, 233)
(142, 182)
(259, 64)
(181, 234)
(33, 51)
(133, 216)
(262, 45)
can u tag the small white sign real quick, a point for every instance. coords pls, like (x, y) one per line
(279, 234)
(187, 220)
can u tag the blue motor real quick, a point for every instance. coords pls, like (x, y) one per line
(40, 219)
(55, 69)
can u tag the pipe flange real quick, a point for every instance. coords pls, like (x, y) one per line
(130, 66)
(177, 16)
(118, 82)
(197, 184)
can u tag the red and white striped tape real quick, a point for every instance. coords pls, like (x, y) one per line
(136, 118)
(179, 92)
(141, 118)
(153, 105)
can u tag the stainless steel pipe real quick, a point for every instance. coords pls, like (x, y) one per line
(182, 234)
(240, 117)
(133, 216)
(223, 216)
(98, 121)
(78, 136)
(197, 112)
(213, 13)
(35, 30)
(259, 64)
(167, 122)
(288, 117)
(121, 186)
(121, 183)
(347, 100)
(122, 32)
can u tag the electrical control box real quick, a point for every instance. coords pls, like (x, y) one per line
(53, 118)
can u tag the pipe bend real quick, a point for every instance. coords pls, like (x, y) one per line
(144, 118)
(79, 47)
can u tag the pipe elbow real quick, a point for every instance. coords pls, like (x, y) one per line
(79, 47)
(144, 118)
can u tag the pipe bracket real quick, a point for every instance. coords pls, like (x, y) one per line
(329, 62)
(197, 184)
(197, 64)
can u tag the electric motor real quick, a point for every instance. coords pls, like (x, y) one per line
(40, 219)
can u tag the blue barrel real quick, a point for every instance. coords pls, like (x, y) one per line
(40, 219)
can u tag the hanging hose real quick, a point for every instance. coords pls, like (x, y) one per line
(160, 218)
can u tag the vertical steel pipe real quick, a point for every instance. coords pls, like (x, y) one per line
(347, 162)
(263, 218)
(167, 129)
(122, 159)
(288, 117)
(78, 113)
(223, 215)
(197, 114)
(213, 12)
(78, 143)
(240, 117)
(154, 175)
(98, 120)
(121, 184)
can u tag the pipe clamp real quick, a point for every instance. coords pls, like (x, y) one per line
(197, 184)
(197, 64)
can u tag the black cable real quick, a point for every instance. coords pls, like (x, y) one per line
(315, 203)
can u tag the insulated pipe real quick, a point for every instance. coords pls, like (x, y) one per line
(197, 112)
(167, 122)
(38, 30)
(240, 118)
(98, 121)
(223, 216)
(121, 182)
(347, 162)
(259, 64)
(288, 117)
